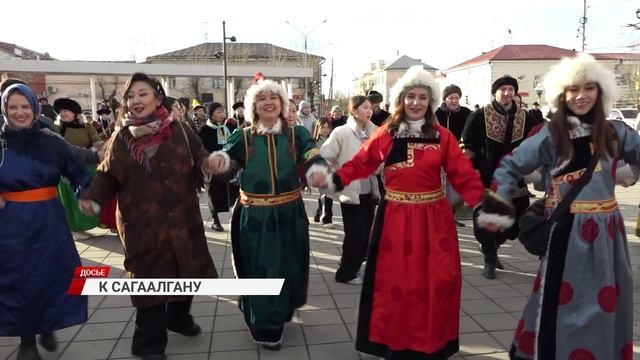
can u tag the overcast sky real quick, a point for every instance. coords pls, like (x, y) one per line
(442, 33)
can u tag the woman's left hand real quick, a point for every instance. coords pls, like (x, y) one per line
(318, 180)
(86, 207)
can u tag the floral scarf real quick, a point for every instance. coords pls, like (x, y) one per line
(144, 135)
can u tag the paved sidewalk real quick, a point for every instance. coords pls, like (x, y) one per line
(325, 328)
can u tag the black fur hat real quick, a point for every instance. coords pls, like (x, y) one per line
(67, 104)
(504, 80)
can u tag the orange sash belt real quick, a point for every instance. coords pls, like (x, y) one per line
(33, 195)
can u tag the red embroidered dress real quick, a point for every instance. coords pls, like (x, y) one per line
(410, 299)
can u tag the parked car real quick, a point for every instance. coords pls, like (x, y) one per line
(628, 115)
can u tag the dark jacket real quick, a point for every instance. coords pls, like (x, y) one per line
(453, 121)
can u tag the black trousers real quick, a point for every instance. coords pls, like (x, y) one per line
(324, 212)
(357, 220)
(491, 241)
(152, 322)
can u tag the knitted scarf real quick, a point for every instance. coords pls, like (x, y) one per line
(143, 136)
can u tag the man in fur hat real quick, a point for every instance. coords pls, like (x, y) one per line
(199, 117)
(238, 114)
(492, 132)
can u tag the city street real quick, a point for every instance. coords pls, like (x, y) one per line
(324, 329)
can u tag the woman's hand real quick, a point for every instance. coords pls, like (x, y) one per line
(214, 165)
(318, 180)
(86, 206)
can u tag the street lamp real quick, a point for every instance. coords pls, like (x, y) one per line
(224, 64)
(306, 34)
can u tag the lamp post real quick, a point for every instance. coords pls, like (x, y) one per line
(224, 64)
(306, 34)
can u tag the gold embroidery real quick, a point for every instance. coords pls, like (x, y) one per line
(568, 178)
(267, 199)
(413, 198)
(496, 125)
(411, 147)
(593, 206)
(310, 155)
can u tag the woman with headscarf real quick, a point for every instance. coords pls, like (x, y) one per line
(410, 301)
(214, 135)
(37, 254)
(269, 226)
(71, 125)
(153, 165)
(581, 305)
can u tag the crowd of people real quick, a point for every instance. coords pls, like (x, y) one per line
(399, 175)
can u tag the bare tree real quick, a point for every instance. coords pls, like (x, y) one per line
(194, 86)
(104, 84)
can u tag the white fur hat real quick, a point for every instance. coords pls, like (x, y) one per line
(262, 86)
(414, 77)
(570, 71)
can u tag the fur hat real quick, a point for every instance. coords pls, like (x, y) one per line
(303, 105)
(262, 86)
(450, 90)
(374, 96)
(67, 104)
(237, 105)
(198, 107)
(502, 81)
(570, 71)
(416, 76)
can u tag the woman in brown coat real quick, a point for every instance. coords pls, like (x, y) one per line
(154, 165)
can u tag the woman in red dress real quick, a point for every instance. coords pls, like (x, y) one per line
(410, 302)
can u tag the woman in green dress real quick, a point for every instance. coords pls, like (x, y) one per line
(82, 134)
(269, 226)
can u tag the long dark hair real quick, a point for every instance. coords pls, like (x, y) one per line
(602, 133)
(398, 115)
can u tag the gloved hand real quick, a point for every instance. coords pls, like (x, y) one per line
(495, 213)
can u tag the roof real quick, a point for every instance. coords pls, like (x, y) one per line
(235, 52)
(24, 52)
(404, 62)
(517, 52)
(617, 56)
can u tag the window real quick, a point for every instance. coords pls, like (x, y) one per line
(217, 83)
(172, 82)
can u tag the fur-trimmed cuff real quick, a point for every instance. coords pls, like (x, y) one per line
(225, 168)
(324, 170)
(486, 220)
(492, 203)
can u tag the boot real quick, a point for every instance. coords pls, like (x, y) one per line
(216, 226)
(28, 350)
(489, 271)
(48, 341)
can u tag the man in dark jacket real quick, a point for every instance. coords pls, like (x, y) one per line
(490, 133)
(453, 117)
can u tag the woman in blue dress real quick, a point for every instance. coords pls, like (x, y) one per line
(37, 254)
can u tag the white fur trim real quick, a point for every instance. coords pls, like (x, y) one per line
(95, 207)
(485, 220)
(276, 129)
(534, 177)
(262, 86)
(569, 71)
(323, 169)
(415, 76)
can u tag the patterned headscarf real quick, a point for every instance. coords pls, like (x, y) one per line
(26, 92)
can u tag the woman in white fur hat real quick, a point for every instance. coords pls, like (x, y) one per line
(581, 306)
(410, 302)
(269, 226)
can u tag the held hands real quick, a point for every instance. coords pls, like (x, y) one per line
(318, 180)
(494, 214)
(214, 165)
(86, 206)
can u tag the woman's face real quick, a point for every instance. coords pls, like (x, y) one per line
(19, 112)
(416, 103)
(268, 107)
(581, 97)
(66, 115)
(176, 110)
(325, 129)
(218, 115)
(293, 115)
(142, 100)
(363, 113)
